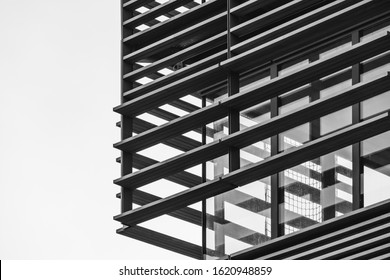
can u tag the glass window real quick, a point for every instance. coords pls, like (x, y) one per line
(376, 67)
(238, 219)
(375, 105)
(336, 120)
(376, 172)
(294, 137)
(176, 228)
(316, 190)
(293, 66)
(375, 32)
(340, 46)
(255, 115)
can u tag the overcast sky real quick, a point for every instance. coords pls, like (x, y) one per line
(59, 80)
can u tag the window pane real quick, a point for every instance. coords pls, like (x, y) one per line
(376, 161)
(375, 105)
(336, 120)
(316, 190)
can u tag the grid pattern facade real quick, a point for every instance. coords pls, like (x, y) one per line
(247, 121)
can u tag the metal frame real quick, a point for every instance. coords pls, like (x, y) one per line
(334, 230)
(247, 98)
(219, 47)
(267, 167)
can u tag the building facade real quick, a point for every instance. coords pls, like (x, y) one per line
(250, 127)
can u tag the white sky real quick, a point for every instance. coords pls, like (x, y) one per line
(59, 80)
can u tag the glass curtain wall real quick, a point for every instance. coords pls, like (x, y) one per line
(316, 190)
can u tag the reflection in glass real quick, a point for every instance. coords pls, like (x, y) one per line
(316, 190)
(255, 115)
(240, 218)
(294, 137)
(376, 171)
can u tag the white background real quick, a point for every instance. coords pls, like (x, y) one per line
(319, 270)
(59, 80)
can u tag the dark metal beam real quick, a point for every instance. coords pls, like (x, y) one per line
(267, 167)
(261, 93)
(372, 238)
(170, 28)
(370, 253)
(325, 28)
(318, 234)
(216, 40)
(155, 12)
(309, 35)
(134, 4)
(329, 241)
(163, 241)
(257, 133)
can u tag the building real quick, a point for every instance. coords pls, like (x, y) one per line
(249, 127)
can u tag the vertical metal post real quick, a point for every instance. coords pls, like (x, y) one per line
(204, 205)
(234, 122)
(327, 162)
(126, 122)
(276, 228)
(328, 192)
(315, 125)
(357, 168)
(233, 87)
(126, 165)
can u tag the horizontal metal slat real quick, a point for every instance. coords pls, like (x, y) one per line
(274, 16)
(180, 40)
(385, 256)
(370, 253)
(181, 88)
(180, 142)
(165, 131)
(189, 70)
(196, 49)
(195, 217)
(247, 98)
(163, 241)
(339, 223)
(186, 214)
(155, 12)
(312, 72)
(182, 178)
(231, 229)
(250, 6)
(190, 180)
(372, 242)
(216, 40)
(204, 45)
(175, 24)
(334, 247)
(330, 236)
(259, 170)
(335, 24)
(133, 4)
(256, 133)
(214, 74)
(291, 26)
